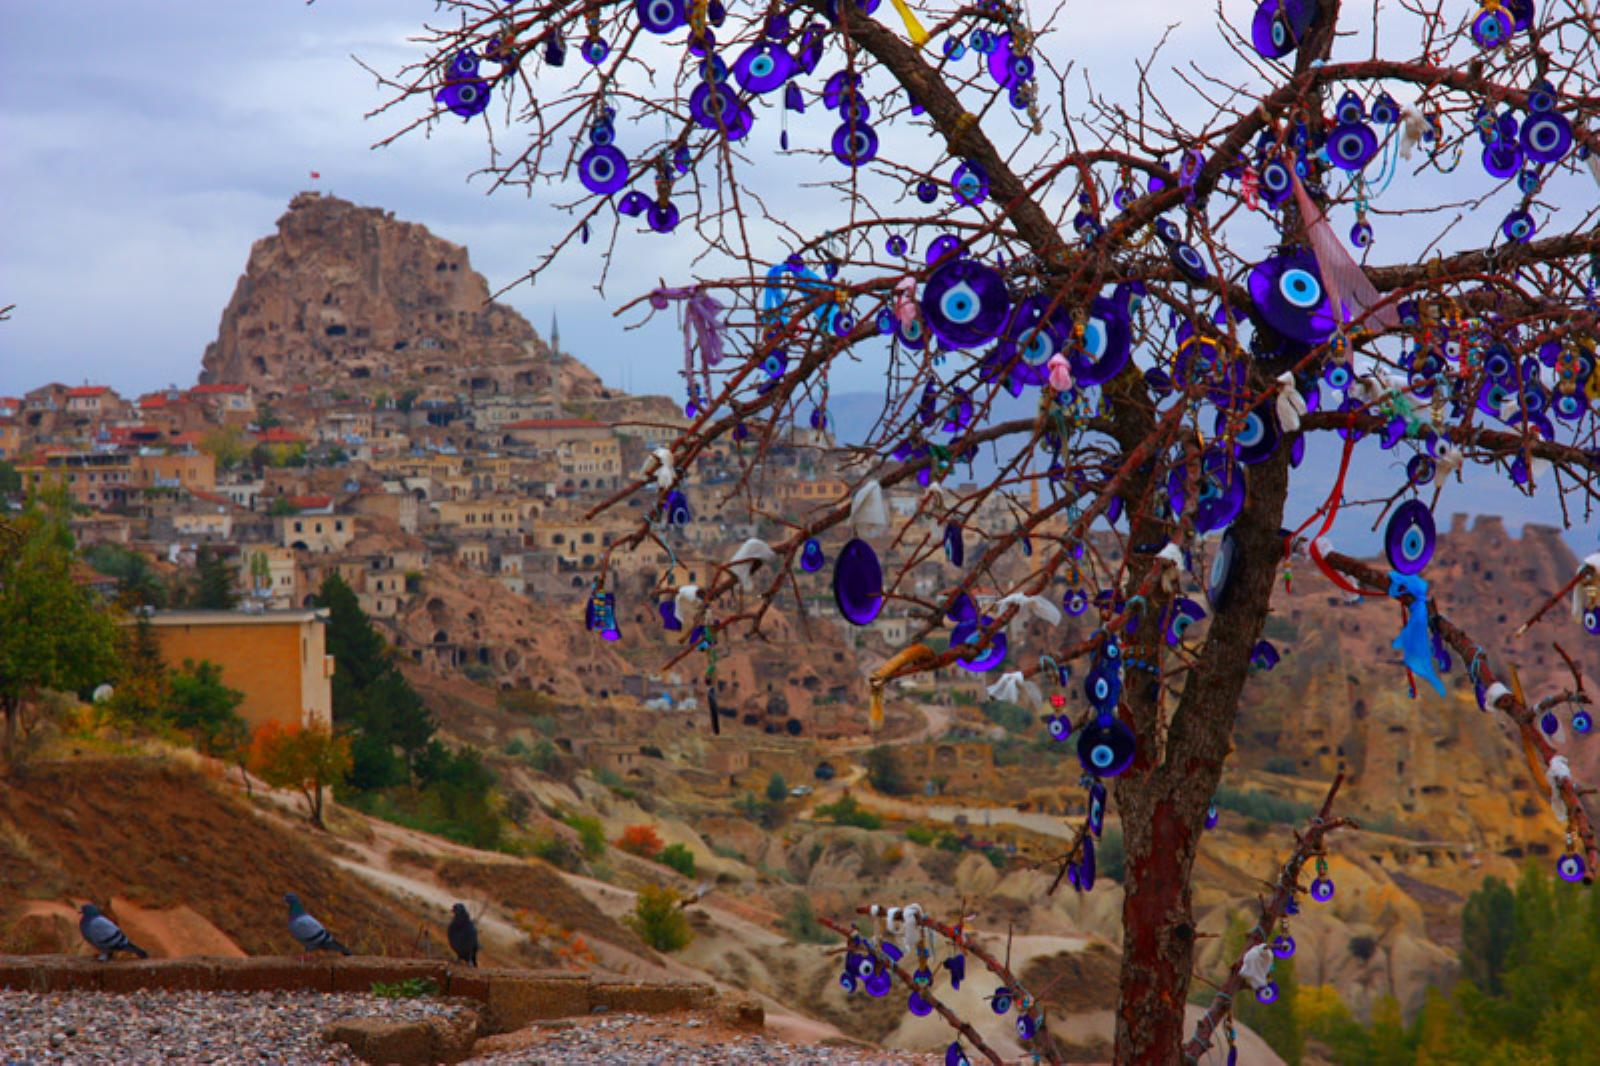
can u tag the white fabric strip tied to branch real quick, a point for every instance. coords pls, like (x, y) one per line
(1558, 771)
(1014, 688)
(1291, 406)
(688, 602)
(1580, 595)
(1594, 166)
(1447, 458)
(1256, 966)
(1415, 128)
(659, 465)
(869, 515)
(1031, 607)
(1494, 694)
(750, 557)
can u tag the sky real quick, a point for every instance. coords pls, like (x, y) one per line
(136, 173)
(145, 146)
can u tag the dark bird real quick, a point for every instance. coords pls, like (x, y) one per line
(463, 935)
(104, 936)
(308, 931)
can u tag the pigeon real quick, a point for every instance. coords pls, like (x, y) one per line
(308, 931)
(104, 936)
(463, 935)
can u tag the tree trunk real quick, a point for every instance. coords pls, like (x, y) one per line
(1163, 804)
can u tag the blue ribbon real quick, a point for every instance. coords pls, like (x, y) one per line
(1415, 644)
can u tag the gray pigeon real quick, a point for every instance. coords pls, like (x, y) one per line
(463, 935)
(104, 936)
(308, 931)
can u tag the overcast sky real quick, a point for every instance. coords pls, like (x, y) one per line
(144, 146)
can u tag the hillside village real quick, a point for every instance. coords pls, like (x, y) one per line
(367, 413)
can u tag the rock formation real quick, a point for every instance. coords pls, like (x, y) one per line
(348, 297)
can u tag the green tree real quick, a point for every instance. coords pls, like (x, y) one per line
(281, 507)
(54, 634)
(10, 480)
(214, 588)
(883, 770)
(590, 832)
(777, 789)
(1276, 1022)
(142, 691)
(202, 706)
(390, 726)
(678, 857)
(1487, 934)
(659, 920)
(137, 583)
(226, 445)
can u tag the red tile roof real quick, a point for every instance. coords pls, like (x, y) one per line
(279, 435)
(310, 503)
(88, 390)
(153, 400)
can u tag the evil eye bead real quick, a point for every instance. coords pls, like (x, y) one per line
(1106, 748)
(1279, 25)
(1264, 656)
(1102, 686)
(1000, 1002)
(954, 1056)
(464, 64)
(1213, 816)
(895, 245)
(954, 546)
(927, 191)
(1549, 724)
(1075, 602)
(1409, 538)
(944, 246)
(1287, 290)
(1168, 230)
(1267, 993)
(1361, 235)
(1546, 136)
(918, 1006)
(1352, 147)
(1385, 112)
(969, 184)
(1420, 469)
(847, 981)
(594, 51)
(1571, 867)
(865, 966)
(763, 67)
(1277, 184)
(811, 557)
(675, 508)
(1322, 889)
(1582, 722)
(467, 97)
(1027, 1027)
(662, 219)
(661, 17)
(1349, 110)
(1185, 612)
(855, 144)
(1283, 946)
(1518, 227)
(879, 984)
(1058, 726)
(1107, 343)
(1337, 375)
(1491, 28)
(1591, 621)
(965, 303)
(1189, 261)
(603, 169)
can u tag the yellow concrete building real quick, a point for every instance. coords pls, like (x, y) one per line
(278, 659)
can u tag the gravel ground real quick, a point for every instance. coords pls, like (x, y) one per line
(629, 1040)
(186, 1027)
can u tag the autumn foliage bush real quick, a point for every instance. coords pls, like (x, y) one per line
(306, 759)
(640, 840)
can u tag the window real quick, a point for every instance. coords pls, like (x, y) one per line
(299, 527)
(339, 525)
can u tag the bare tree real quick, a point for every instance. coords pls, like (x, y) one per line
(1164, 292)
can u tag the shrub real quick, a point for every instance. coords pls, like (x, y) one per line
(777, 789)
(590, 832)
(678, 858)
(658, 919)
(555, 850)
(640, 840)
(799, 922)
(848, 812)
(883, 770)
(921, 834)
(1263, 806)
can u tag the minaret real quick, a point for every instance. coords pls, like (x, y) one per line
(555, 335)
(555, 369)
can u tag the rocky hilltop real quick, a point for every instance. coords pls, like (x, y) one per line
(348, 296)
